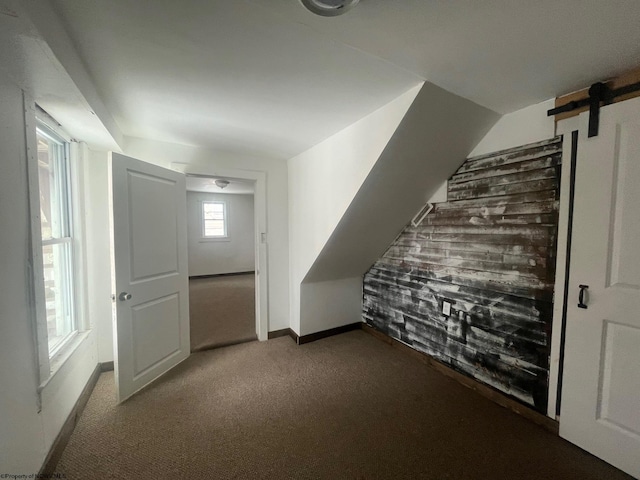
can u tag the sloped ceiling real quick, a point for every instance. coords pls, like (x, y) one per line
(49, 74)
(434, 137)
(267, 77)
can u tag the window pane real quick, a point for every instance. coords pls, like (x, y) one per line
(57, 250)
(58, 292)
(213, 211)
(214, 222)
(214, 228)
(54, 192)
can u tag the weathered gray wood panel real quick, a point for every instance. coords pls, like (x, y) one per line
(490, 252)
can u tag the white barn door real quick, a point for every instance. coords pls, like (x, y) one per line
(149, 257)
(600, 409)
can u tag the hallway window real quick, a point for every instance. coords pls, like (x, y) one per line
(54, 179)
(214, 219)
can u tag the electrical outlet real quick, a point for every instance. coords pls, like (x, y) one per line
(446, 308)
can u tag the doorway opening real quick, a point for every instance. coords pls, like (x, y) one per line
(222, 252)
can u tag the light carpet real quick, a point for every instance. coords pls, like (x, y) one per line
(222, 310)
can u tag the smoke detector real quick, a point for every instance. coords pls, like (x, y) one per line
(329, 8)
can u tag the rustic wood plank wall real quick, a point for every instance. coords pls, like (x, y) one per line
(490, 252)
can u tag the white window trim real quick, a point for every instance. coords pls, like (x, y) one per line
(49, 365)
(58, 136)
(225, 214)
(214, 239)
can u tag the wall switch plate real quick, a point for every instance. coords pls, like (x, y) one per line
(446, 308)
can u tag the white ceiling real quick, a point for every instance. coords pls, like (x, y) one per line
(502, 54)
(266, 77)
(224, 74)
(207, 185)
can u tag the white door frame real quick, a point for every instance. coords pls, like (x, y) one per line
(260, 218)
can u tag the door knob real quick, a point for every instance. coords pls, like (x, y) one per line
(581, 303)
(124, 296)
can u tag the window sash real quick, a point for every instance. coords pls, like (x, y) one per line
(57, 241)
(64, 313)
(57, 244)
(214, 219)
(60, 185)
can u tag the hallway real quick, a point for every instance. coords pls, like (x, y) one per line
(222, 310)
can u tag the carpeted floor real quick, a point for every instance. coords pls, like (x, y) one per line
(222, 310)
(348, 406)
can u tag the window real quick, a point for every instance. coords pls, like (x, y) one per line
(214, 219)
(56, 222)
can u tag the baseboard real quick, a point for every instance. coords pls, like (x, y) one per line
(279, 333)
(484, 390)
(312, 337)
(61, 441)
(283, 333)
(213, 275)
(106, 366)
(294, 336)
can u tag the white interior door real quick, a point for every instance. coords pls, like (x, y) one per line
(149, 256)
(600, 409)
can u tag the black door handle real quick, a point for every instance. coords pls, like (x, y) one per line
(581, 303)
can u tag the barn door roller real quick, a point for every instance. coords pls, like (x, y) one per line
(599, 95)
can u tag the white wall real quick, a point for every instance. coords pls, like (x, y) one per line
(325, 178)
(330, 304)
(229, 255)
(528, 125)
(98, 251)
(323, 181)
(430, 143)
(26, 435)
(164, 154)
(428, 132)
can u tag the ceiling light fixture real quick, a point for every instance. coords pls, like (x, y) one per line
(220, 182)
(329, 8)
